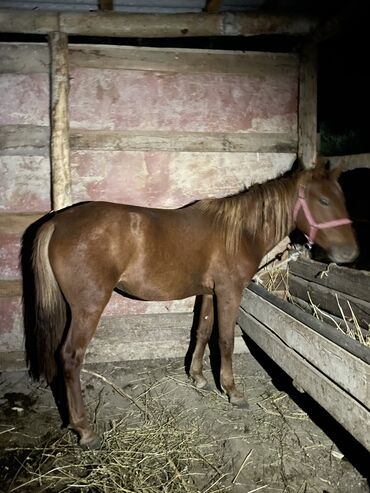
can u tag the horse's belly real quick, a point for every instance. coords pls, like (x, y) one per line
(163, 289)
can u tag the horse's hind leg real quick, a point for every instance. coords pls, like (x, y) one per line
(203, 334)
(81, 331)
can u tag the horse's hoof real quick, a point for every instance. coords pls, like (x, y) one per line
(93, 443)
(200, 382)
(239, 401)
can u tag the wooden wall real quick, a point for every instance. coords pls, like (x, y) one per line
(156, 127)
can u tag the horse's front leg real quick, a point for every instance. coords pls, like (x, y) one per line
(203, 334)
(228, 302)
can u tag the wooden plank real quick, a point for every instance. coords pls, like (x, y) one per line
(24, 140)
(328, 299)
(34, 140)
(10, 287)
(345, 342)
(307, 112)
(355, 283)
(28, 21)
(118, 140)
(175, 60)
(135, 337)
(351, 414)
(350, 161)
(341, 366)
(121, 24)
(16, 223)
(24, 58)
(60, 163)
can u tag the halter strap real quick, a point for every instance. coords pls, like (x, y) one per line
(314, 226)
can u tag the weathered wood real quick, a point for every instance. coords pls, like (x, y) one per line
(16, 223)
(350, 161)
(340, 339)
(148, 25)
(10, 287)
(118, 140)
(133, 338)
(355, 283)
(307, 111)
(24, 58)
(351, 414)
(330, 300)
(256, 64)
(34, 140)
(338, 364)
(60, 164)
(18, 21)
(24, 140)
(329, 318)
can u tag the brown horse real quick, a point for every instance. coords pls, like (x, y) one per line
(210, 248)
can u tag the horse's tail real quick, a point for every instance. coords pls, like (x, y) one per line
(44, 308)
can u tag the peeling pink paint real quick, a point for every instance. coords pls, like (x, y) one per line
(142, 100)
(9, 256)
(25, 183)
(168, 179)
(24, 99)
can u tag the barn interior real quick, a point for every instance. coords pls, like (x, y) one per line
(160, 103)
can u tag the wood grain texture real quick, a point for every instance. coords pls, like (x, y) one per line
(355, 283)
(307, 111)
(61, 179)
(153, 25)
(351, 414)
(338, 364)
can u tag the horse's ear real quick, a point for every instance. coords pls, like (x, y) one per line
(337, 171)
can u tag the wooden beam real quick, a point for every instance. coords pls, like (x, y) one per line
(17, 222)
(34, 140)
(60, 165)
(355, 283)
(119, 24)
(10, 287)
(184, 61)
(25, 140)
(118, 140)
(307, 111)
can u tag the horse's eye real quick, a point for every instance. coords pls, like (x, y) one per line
(324, 201)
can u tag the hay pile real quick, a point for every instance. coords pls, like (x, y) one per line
(161, 452)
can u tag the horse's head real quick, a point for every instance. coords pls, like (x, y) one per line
(320, 213)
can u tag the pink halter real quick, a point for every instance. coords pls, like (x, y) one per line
(314, 226)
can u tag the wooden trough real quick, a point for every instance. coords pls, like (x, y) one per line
(322, 361)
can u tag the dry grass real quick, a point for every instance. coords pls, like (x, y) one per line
(162, 452)
(275, 279)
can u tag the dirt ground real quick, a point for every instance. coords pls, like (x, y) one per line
(277, 445)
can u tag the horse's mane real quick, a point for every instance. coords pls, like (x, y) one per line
(263, 210)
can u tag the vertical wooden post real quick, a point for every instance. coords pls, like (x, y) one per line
(61, 181)
(307, 112)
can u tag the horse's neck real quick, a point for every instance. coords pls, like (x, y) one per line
(281, 216)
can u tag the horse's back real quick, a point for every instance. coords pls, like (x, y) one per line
(149, 253)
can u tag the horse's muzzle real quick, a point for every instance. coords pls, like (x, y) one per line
(344, 254)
